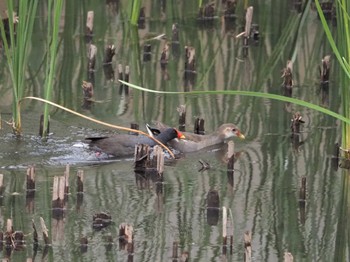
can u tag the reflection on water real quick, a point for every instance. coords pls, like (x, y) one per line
(264, 194)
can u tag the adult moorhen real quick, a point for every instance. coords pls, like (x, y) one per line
(123, 145)
(194, 142)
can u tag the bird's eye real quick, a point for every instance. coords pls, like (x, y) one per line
(234, 129)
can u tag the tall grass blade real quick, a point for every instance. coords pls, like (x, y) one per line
(249, 93)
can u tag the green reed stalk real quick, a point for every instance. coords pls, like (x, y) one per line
(54, 7)
(135, 11)
(16, 51)
(200, 3)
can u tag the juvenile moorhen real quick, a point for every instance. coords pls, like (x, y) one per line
(123, 145)
(194, 142)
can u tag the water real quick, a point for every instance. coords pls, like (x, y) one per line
(265, 196)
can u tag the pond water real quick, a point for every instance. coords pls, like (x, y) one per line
(264, 198)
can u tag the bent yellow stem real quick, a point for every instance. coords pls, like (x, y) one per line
(95, 120)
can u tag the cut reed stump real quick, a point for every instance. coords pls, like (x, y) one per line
(302, 192)
(141, 157)
(80, 179)
(287, 75)
(297, 4)
(109, 53)
(190, 59)
(88, 93)
(255, 34)
(248, 25)
(35, 235)
(224, 230)
(206, 12)
(336, 156)
(80, 188)
(126, 238)
(182, 117)
(230, 163)
(30, 191)
(101, 220)
(123, 89)
(302, 199)
(288, 257)
(247, 246)
(328, 10)
(58, 197)
(66, 182)
(1, 188)
(83, 244)
(175, 251)
(107, 63)
(213, 207)
(134, 126)
(325, 69)
(109, 242)
(1, 240)
(324, 79)
(30, 181)
(88, 90)
(92, 51)
(156, 170)
(164, 57)
(247, 30)
(41, 125)
(190, 68)
(199, 126)
(147, 53)
(45, 231)
(175, 41)
(157, 162)
(89, 26)
(227, 231)
(14, 240)
(184, 256)
(141, 23)
(108, 72)
(296, 123)
(230, 9)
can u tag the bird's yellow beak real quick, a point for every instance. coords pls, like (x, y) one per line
(180, 135)
(240, 135)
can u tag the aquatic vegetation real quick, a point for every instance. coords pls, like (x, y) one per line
(17, 47)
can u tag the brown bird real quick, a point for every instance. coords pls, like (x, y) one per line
(194, 142)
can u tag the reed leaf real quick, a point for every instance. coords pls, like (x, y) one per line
(248, 93)
(135, 11)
